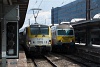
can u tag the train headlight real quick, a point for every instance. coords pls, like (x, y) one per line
(72, 40)
(29, 42)
(49, 41)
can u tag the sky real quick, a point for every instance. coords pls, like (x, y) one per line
(44, 15)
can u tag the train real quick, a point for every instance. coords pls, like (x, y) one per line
(63, 37)
(37, 38)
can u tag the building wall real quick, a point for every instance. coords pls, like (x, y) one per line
(95, 5)
(75, 9)
(54, 15)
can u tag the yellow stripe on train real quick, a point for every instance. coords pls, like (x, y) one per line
(66, 38)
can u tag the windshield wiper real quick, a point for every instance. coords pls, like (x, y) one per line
(36, 35)
(43, 35)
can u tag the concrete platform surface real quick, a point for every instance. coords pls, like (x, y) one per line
(21, 62)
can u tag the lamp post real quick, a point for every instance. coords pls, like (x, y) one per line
(35, 16)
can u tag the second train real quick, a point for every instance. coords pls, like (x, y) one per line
(63, 37)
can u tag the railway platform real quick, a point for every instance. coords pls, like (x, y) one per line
(20, 62)
(94, 48)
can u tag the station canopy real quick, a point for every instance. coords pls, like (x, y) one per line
(97, 16)
(77, 19)
(23, 4)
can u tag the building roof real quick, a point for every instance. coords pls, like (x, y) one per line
(97, 16)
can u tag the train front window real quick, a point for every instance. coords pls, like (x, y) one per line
(39, 30)
(44, 31)
(34, 31)
(65, 32)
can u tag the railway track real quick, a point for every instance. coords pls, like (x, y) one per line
(51, 60)
(85, 57)
(89, 55)
(42, 61)
(54, 65)
(61, 61)
(81, 60)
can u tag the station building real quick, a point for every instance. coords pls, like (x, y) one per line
(75, 9)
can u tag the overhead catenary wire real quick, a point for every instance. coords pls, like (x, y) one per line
(33, 6)
(38, 10)
(35, 1)
(39, 7)
(40, 3)
(62, 2)
(35, 16)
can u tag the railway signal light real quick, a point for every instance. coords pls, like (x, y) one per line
(12, 40)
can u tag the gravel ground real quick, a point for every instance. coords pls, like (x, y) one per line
(43, 63)
(62, 62)
(30, 63)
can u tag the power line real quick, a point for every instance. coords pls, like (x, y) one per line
(35, 1)
(62, 2)
(40, 3)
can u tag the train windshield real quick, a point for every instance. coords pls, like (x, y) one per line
(39, 30)
(65, 32)
(44, 31)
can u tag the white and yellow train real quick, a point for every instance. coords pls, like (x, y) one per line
(38, 38)
(63, 37)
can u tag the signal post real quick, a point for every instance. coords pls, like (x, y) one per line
(9, 31)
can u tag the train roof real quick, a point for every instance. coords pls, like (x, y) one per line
(38, 25)
(77, 20)
(64, 26)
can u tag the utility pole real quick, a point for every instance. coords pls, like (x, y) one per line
(88, 32)
(87, 9)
